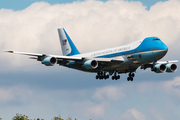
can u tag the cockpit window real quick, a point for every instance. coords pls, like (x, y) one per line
(156, 39)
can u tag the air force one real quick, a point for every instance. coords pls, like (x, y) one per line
(143, 53)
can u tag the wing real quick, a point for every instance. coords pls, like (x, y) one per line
(45, 55)
(151, 65)
(166, 62)
(62, 60)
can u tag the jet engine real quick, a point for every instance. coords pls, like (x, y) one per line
(159, 68)
(91, 64)
(49, 61)
(171, 67)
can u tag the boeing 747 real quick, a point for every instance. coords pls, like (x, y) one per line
(143, 53)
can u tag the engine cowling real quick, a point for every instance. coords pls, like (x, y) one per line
(49, 61)
(91, 64)
(159, 68)
(171, 67)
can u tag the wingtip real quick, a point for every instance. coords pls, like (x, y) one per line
(9, 51)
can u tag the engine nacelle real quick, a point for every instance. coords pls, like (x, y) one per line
(159, 68)
(49, 61)
(171, 67)
(91, 64)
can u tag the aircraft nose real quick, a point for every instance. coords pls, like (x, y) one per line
(165, 47)
(159, 54)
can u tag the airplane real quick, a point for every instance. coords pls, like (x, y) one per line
(143, 53)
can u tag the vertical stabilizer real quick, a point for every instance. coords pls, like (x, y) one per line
(67, 46)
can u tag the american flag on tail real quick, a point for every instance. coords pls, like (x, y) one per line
(64, 42)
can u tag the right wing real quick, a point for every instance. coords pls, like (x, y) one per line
(162, 66)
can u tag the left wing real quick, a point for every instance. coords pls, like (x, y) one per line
(50, 60)
(44, 55)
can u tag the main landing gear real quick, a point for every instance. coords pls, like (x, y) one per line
(105, 75)
(130, 78)
(102, 75)
(115, 77)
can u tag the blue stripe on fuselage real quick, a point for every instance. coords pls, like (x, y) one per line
(148, 44)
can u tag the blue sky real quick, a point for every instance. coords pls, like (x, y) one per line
(30, 88)
(22, 4)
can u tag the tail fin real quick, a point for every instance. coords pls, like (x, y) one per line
(67, 46)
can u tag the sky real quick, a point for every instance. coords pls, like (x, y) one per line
(22, 4)
(30, 88)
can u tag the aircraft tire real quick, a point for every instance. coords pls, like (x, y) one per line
(132, 74)
(98, 73)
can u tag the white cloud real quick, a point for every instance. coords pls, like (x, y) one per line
(172, 87)
(98, 24)
(106, 102)
(90, 109)
(132, 114)
(156, 115)
(108, 93)
(92, 25)
(138, 115)
(5, 95)
(9, 94)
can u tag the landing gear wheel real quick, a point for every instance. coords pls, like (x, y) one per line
(115, 77)
(102, 75)
(98, 73)
(132, 74)
(107, 76)
(118, 76)
(131, 79)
